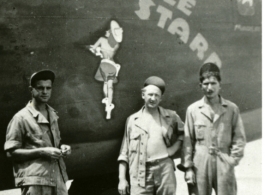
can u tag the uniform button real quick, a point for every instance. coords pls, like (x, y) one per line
(53, 171)
(142, 143)
(141, 153)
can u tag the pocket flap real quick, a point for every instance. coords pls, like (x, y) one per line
(199, 123)
(134, 135)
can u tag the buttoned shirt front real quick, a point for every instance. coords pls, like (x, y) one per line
(29, 129)
(134, 145)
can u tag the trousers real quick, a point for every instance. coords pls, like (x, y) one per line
(160, 179)
(59, 189)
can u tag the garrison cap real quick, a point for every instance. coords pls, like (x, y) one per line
(157, 81)
(42, 75)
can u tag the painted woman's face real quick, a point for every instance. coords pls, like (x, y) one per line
(107, 33)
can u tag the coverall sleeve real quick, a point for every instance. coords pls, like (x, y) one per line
(124, 151)
(188, 143)
(14, 134)
(238, 137)
(180, 129)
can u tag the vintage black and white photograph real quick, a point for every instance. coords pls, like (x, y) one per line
(131, 97)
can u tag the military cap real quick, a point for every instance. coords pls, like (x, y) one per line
(42, 75)
(156, 81)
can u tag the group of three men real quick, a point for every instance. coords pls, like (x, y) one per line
(212, 141)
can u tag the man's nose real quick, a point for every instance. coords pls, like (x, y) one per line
(210, 87)
(44, 90)
(153, 97)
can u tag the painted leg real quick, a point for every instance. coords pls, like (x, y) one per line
(118, 67)
(109, 105)
(105, 91)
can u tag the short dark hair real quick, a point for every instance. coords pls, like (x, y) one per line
(209, 69)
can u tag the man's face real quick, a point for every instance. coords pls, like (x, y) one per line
(152, 96)
(42, 91)
(210, 87)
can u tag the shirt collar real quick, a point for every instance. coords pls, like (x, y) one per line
(40, 118)
(203, 101)
(163, 112)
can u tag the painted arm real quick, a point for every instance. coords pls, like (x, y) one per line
(97, 44)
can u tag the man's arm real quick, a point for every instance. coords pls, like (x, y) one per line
(123, 186)
(238, 137)
(30, 154)
(174, 148)
(123, 159)
(187, 155)
(176, 145)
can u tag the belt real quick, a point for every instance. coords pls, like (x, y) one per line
(213, 150)
(156, 161)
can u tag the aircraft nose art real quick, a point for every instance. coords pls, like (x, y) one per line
(246, 7)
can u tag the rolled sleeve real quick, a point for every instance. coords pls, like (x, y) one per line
(14, 134)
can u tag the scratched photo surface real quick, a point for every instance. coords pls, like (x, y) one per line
(166, 38)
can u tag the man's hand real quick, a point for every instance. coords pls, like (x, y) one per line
(174, 148)
(190, 176)
(123, 187)
(171, 151)
(65, 149)
(50, 152)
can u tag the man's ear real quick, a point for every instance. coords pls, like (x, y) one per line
(30, 88)
(200, 85)
(142, 95)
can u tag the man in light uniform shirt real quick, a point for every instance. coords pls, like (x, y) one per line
(152, 136)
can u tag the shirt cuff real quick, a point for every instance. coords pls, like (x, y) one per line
(184, 166)
(123, 158)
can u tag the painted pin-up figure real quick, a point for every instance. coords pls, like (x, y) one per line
(108, 70)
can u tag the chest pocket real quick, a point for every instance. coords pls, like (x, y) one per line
(134, 142)
(200, 129)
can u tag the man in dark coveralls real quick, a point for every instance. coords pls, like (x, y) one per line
(33, 142)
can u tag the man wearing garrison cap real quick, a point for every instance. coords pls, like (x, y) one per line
(214, 139)
(152, 136)
(33, 142)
